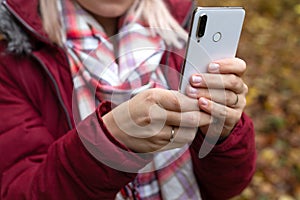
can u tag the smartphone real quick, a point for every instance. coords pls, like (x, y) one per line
(214, 34)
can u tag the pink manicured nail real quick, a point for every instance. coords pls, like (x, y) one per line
(213, 67)
(192, 90)
(197, 79)
(203, 101)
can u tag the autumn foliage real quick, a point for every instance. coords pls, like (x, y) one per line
(270, 44)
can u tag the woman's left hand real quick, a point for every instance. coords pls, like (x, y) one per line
(221, 93)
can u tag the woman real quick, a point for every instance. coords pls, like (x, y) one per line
(73, 131)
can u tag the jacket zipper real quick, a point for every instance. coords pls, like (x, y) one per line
(44, 39)
(56, 89)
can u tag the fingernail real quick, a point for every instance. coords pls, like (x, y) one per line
(197, 79)
(203, 101)
(213, 67)
(192, 90)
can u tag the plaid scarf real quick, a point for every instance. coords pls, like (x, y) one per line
(95, 68)
(170, 177)
(98, 75)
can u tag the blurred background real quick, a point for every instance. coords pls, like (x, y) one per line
(270, 44)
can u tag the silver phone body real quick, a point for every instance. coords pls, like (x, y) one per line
(220, 40)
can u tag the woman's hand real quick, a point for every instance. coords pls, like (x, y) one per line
(221, 93)
(145, 122)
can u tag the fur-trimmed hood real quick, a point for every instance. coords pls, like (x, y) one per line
(18, 41)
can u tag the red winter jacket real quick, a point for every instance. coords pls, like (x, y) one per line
(41, 155)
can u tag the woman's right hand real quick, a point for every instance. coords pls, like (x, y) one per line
(144, 123)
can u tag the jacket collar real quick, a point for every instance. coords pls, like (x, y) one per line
(27, 13)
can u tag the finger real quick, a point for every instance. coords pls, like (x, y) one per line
(229, 115)
(182, 119)
(228, 66)
(172, 100)
(182, 136)
(219, 81)
(188, 119)
(170, 137)
(221, 96)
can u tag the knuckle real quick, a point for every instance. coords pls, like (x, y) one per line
(147, 116)
(150, 97)
(147, 119)
(236, 82)
(143, 120)
(244, 101)
(246, 88)
(174, 101)
(233, 80)
(243, 65)
(223, 112)
(193, 120)
(230, 97)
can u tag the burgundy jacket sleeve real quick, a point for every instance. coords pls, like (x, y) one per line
(229, 167)
(34, 165)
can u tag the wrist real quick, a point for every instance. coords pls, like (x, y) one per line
(114, 130)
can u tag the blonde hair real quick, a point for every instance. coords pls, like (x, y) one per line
(154, 12)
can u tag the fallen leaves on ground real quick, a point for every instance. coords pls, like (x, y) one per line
(270, 44)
